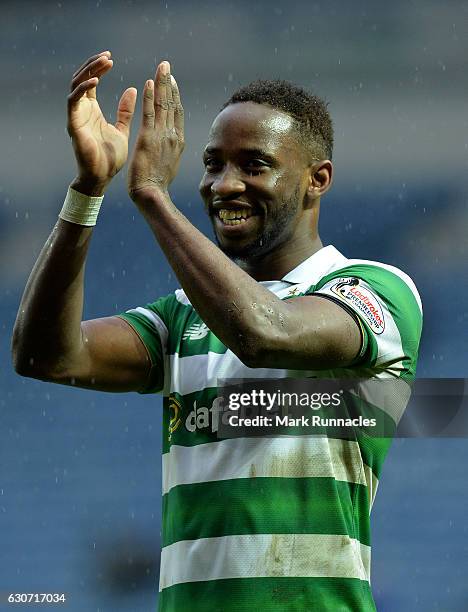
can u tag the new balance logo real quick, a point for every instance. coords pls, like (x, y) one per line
(197, 331)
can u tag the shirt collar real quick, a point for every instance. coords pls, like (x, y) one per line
(316, 266)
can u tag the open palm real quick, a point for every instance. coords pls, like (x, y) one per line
(101, 148)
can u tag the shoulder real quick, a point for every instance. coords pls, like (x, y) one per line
(158, 316)
(386, 301)
(385, 275)
(388, 282)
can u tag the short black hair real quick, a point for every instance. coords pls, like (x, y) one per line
(313, 122)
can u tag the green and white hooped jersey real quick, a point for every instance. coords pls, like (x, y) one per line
(271, 523)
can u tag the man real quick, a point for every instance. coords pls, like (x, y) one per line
(266, 523)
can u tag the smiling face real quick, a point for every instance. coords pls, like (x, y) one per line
(256, 179)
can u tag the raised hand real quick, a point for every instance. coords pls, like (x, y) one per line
(101, 149)
(160, 140)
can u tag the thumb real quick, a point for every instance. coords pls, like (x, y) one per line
(125, 110)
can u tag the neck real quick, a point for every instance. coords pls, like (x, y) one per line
(280, 261)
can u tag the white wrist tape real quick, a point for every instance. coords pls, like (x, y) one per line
(80, 208)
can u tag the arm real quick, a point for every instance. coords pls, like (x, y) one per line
(262, 330)
(49, 340)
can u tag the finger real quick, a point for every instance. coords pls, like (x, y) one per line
(125, 110)
(160, 99)
(147, 116)
(178, 110)
(80, 91)
(170, 102)
(94, 69)
(89, 60)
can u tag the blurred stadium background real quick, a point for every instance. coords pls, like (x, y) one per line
(80, 471)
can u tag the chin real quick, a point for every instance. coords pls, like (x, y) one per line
(257, 247)
(233, 251)
(244, 253)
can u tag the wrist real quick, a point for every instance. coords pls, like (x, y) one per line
(89, 187)
(147, 196)
(80, 208)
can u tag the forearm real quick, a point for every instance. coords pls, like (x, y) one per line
(47, 331)
(238, 309)
(47, 339)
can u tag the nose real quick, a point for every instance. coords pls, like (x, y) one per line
(227, 183)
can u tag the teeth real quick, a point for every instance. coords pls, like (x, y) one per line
(234, 215)
(233, 221)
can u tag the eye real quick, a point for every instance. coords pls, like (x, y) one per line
(255, 167)
(212, 164)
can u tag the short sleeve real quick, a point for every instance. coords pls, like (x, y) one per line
(151, 324)
(388, 307)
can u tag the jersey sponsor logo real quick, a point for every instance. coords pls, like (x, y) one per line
(202, 417)
(363, 300)
(197, 331)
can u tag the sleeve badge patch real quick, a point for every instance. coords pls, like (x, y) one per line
(362, 300)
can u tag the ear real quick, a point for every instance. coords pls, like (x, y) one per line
(320, 178)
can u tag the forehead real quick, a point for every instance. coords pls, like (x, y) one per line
(247, 125)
